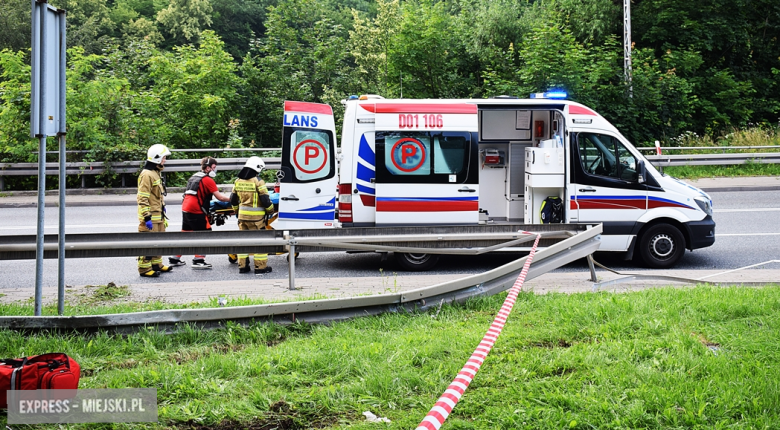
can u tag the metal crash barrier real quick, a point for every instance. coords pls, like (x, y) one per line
(563, 243)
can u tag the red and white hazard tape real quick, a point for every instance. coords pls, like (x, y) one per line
(443, 407)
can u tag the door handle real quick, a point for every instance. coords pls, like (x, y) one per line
(587, 190)
(290, 197)
(466, 190)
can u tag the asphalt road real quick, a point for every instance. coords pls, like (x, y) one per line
(747, 233)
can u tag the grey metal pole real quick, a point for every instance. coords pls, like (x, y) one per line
(39, 229)
(63, 176)
(61, 234)
(291, 260)
(592, 268)
(41, 172)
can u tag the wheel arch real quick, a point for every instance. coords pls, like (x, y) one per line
(671, 221)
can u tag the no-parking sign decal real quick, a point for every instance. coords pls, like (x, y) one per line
(310, 157)
(409, 156)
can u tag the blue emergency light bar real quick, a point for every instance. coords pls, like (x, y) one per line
(549, 95)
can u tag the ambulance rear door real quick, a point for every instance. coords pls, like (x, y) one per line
(307, 195)
(426, 164)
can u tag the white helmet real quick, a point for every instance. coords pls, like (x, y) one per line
(255, 163)
(157, 152)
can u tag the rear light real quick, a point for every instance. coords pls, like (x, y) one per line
(345, 202)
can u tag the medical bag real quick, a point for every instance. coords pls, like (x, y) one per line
(54, 371)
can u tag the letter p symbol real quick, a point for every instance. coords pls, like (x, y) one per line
(407, 151)
(311, 152)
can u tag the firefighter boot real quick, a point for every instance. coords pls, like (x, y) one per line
(261, 264)
(150, 274)
(243, 265)
(162, 268)
(232, 258)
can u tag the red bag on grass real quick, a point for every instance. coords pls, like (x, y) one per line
(54, 371)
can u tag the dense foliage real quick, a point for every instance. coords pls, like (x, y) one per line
(206, 73)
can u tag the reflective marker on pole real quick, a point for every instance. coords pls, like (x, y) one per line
(443, 407)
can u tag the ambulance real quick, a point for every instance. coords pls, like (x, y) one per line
(409, 162)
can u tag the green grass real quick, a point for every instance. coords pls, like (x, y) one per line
(667, 358)
(755, 136)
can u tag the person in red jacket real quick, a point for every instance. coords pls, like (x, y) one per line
(195, 207)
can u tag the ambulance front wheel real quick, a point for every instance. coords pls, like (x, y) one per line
(416, 262)
(661, 246)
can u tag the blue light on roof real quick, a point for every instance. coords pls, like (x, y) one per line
(549, 95)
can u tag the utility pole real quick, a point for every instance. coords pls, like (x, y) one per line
(627, 45)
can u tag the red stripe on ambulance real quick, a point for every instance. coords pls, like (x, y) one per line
(426, 206)
(461, 108)
(290, 106)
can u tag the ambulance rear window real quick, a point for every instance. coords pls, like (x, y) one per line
(310, 154)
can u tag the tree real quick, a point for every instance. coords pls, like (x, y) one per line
(15, 24)
(184, 20)
(196, 92)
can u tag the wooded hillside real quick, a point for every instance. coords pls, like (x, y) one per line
(211, 73)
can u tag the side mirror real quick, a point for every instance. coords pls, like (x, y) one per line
(641, 172)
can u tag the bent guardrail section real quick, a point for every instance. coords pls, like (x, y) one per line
(431, 239)
(578, 245)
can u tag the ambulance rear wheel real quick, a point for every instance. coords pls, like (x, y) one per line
(416, 262)
(661, 246)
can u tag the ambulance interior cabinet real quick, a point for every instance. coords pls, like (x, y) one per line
(543, 178)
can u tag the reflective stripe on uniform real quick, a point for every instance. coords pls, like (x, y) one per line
(246, 210)
(245, 186)
(144, 194)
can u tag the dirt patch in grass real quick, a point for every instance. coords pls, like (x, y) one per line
(100, 294)
(182, 357)
(704, 341)
(282, 416)
(560, 343)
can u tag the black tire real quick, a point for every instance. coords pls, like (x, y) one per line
(661, 246)
(416, 262)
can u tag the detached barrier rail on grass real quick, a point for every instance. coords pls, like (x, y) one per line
(578, 242)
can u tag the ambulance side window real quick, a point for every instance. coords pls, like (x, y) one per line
(415, 157)
(449, 153)
(604, 155)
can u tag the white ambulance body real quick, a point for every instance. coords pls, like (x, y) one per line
(462, 162)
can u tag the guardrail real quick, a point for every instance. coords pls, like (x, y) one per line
(193, 165)
(575, 246)
(121, 167)
(713, 159)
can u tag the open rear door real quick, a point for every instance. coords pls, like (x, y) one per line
(307, 195)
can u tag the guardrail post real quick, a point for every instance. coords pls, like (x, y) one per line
(291, 261)
(592, 269)
(2, 183)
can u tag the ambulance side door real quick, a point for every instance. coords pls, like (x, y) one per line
(307, 194)
(605, 187)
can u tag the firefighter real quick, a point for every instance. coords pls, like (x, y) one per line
(151, 207)
(252, 203)
(195, 207)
